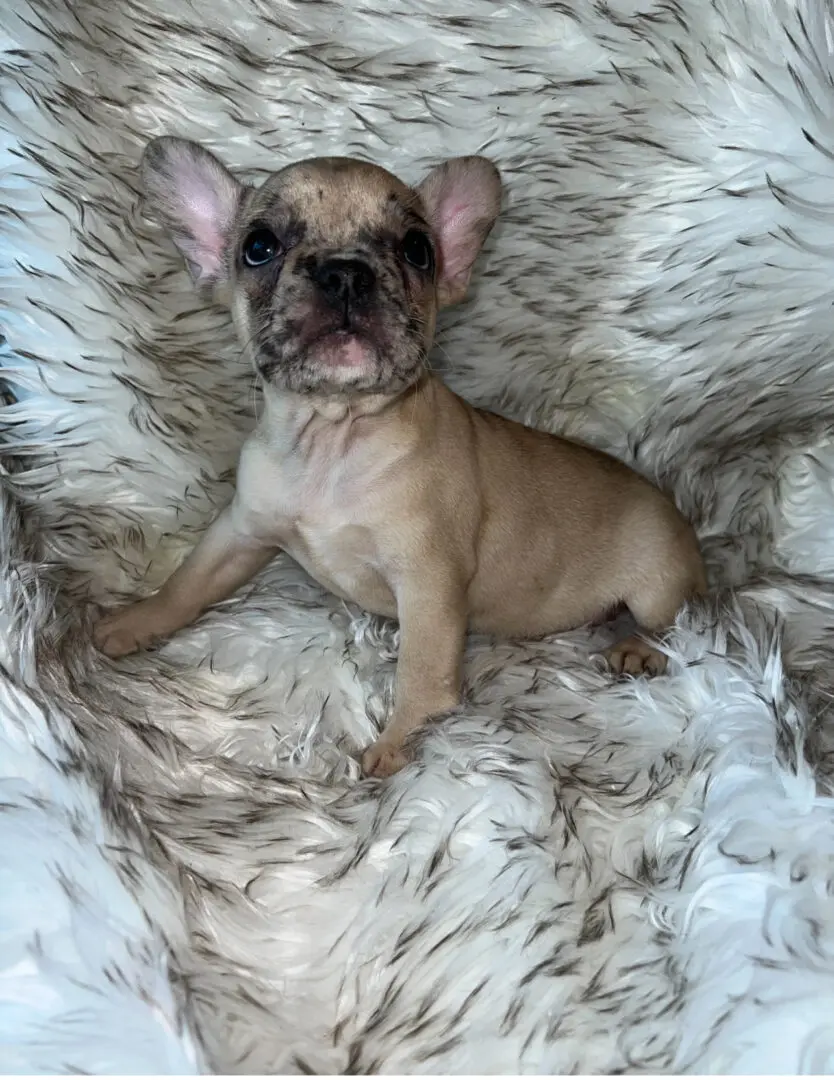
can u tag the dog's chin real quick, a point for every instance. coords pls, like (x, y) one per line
(342, 358)
(339, 362)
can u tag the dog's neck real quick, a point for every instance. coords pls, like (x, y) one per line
(286, 414)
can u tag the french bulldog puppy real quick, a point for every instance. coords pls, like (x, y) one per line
(390, 490)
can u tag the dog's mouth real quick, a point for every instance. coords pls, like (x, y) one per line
(333, 358)
(321, 353)
(343, 350)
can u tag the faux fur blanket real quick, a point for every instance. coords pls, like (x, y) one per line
(575, 874)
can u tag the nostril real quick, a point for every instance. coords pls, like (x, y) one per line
(363, 280)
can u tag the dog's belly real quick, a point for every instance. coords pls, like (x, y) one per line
(344, 560)
(532, 612)
(542, 592)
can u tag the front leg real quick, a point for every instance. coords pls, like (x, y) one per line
(433, 618)
(226, 557)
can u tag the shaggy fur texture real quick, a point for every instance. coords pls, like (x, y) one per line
(575, 874)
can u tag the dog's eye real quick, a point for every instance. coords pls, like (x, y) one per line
(260, 247)
(417, 250)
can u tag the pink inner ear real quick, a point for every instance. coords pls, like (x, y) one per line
(461, 198)
(459, 244)
(208, 218)
(207, 198)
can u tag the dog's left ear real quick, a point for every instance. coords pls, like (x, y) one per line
(462, 198)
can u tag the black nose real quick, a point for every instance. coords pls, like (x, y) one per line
(345, 282)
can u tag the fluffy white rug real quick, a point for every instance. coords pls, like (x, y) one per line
(575, 874)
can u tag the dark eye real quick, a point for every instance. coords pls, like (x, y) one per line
(417, 250)
(260, 247)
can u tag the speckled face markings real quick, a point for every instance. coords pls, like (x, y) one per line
(320, 212)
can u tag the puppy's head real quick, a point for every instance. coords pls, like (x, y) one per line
(337, 268)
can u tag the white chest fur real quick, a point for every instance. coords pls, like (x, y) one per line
(306, 483)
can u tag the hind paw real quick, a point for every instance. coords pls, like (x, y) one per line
(633, 656)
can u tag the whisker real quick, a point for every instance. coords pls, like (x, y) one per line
(256, 333)
(248, 351)
(440, 348)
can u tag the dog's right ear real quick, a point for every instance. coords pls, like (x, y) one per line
(196, 198)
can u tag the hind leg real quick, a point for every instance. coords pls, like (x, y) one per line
(655, 609)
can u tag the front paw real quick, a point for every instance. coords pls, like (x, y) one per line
(383, 758)
(129, 630)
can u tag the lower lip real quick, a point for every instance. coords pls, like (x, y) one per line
(344, 350)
